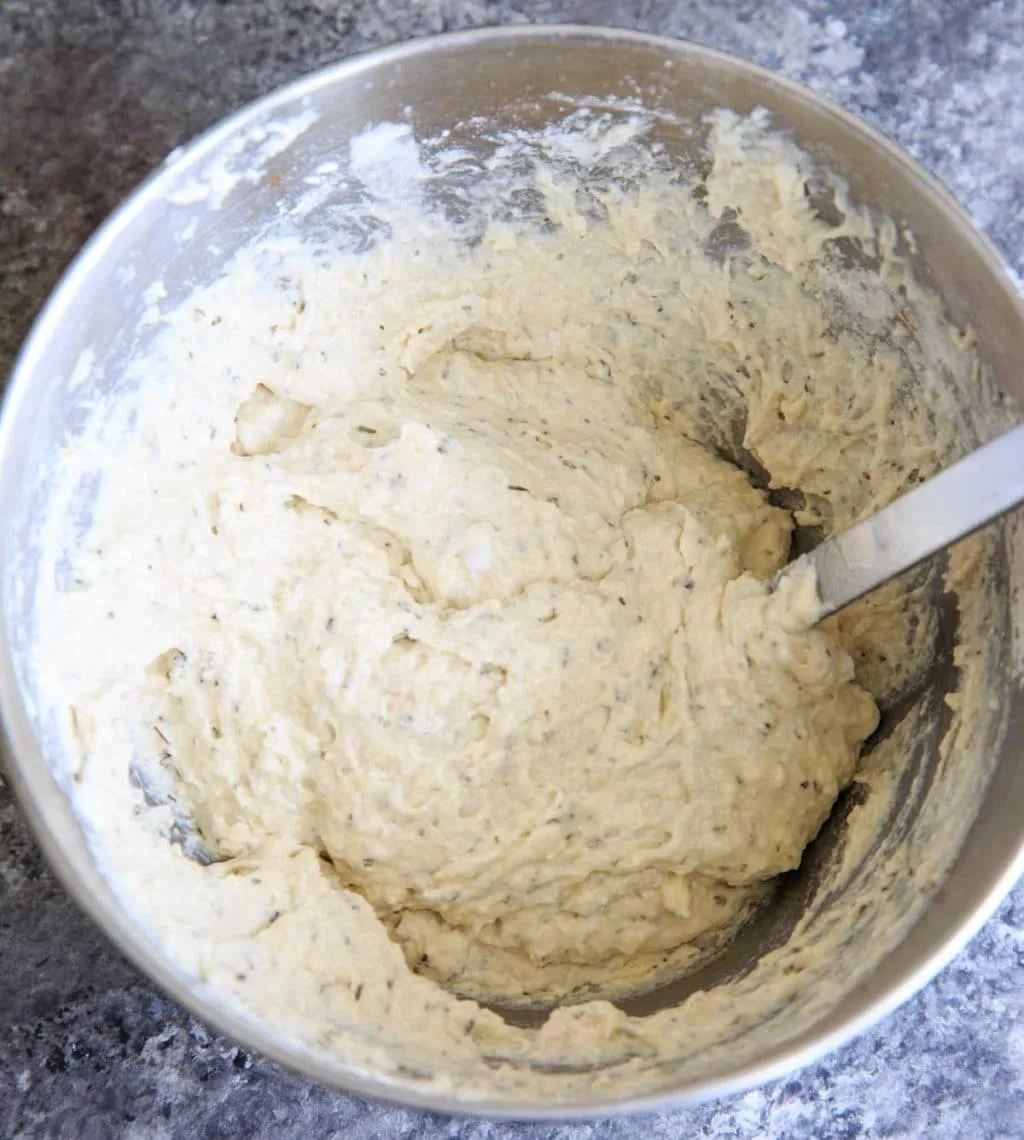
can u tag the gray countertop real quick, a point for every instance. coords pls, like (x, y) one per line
(93, 94)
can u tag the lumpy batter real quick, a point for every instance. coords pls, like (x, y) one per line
(420, 604)
(492, 639)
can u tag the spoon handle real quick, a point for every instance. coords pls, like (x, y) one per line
(951, 505)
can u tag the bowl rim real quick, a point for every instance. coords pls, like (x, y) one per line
(28, 772)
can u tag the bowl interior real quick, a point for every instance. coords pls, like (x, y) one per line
(950, 824)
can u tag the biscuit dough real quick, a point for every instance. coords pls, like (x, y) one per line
(492, 640)
(428, 619)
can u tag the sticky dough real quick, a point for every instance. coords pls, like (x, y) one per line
(501, 663)
(419, 598)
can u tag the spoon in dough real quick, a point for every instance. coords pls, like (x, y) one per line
(950, 506)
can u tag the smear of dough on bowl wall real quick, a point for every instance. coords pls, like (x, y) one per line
(418, 635)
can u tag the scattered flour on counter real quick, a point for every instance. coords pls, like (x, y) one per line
(420, 637)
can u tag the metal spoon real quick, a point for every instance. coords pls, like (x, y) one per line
(950, 506)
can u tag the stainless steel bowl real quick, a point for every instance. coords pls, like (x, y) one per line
(508, 77)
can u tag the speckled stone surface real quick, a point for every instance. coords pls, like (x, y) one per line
(93, 94)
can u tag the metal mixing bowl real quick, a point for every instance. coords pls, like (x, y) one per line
(508, 77)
